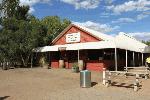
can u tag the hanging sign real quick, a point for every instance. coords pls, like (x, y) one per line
(61, 48)
(73, 37)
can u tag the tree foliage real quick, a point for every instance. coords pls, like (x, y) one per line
(18, 40)
(8, 7)
(22, 32)
(147, 42)
(54, 26)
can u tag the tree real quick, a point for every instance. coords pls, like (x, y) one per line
(22, 32)
(17, 36)
(12, 9)
(18, 39)
(22, 12)
(8, 7)
(54, 26)
(147, 42)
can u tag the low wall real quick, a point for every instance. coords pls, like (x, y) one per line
(94, 65)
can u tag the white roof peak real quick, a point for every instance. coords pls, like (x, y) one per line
(98, 34)
(127, 35)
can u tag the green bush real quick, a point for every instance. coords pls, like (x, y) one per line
(75, 67)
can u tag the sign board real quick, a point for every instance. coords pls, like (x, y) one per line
(61, 48)
(73, 37)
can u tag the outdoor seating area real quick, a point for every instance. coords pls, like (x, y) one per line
(136, 73)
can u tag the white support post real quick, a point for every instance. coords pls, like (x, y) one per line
(133, 59)
(49, 59)
(137, 78)
(78, 56)
(104, 76)
(116, 63)
(126, 60)
(138, 60)
(109, 78)
(136, 83)
(142, 59)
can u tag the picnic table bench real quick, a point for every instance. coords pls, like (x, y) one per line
(136, 73)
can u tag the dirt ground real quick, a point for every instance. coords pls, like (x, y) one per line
(62, 84)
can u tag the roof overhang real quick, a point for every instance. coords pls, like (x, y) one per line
(146, 49)
(77, 46)
(45, 49)
(124, 41)
(92, 45)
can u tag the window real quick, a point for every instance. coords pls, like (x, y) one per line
(95, 55)
(108, 56)
(55, 55)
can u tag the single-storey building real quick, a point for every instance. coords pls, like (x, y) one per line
(94, 50)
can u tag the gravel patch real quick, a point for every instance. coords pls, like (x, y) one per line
(62, 84)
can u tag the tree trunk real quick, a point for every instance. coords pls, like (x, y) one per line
(23, 61)
(4, 65)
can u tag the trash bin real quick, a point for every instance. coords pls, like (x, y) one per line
(85, 79)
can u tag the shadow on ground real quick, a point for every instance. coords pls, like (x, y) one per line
(93, 84)
(3, 98)
(125, 85)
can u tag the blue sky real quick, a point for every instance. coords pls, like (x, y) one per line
(108, 16)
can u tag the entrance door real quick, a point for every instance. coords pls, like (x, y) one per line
(72, 58)
(63, 56)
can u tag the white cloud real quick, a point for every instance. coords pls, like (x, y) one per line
(33, 2)
(139, 5)
(141, 16)
(97, 26)
(147, 13)
(141, 35)
(109, 1)
(86, 4)
(105, 15)
(138, 35)
(31, 10)
(124, 20)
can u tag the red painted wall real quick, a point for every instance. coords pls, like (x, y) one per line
(98, 65)
(85, 37)
(94, 65)
(54, 64)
